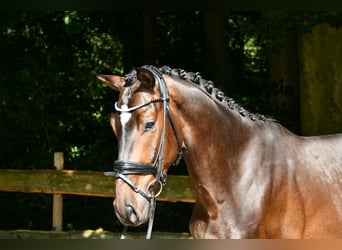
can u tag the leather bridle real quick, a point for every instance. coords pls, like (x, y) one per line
(122, 169)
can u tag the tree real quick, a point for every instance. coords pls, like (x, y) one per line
(320, 67)
(283, 71)
(217, 50)
(151, 49)
(132, 39)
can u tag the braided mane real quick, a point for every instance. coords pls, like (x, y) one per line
(207, 85)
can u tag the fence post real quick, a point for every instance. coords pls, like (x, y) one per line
(57, 209)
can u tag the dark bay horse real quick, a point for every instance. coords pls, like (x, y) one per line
(253, 177)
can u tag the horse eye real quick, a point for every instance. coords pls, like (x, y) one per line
(149, 125)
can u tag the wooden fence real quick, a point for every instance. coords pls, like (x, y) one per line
(87, 183)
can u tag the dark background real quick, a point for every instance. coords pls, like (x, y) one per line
(50, 101)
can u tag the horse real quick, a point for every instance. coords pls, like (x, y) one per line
(252, 177)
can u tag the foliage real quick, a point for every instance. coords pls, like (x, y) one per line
(50, 100)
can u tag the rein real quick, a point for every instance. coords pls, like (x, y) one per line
(121, 169)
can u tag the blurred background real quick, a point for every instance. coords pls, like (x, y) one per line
(285, 65)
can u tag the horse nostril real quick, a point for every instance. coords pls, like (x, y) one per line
(131, 214)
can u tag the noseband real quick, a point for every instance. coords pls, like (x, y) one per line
(124, 168)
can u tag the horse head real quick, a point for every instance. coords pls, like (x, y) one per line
(148, 141)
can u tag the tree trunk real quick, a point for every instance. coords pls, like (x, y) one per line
(320, 65)
(283, 70)
(218, 58)
(150, 38)
(132, 41)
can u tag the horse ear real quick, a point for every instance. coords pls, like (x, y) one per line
(112, 81)
(146, 78)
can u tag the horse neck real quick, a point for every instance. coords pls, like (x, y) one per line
(212, 133)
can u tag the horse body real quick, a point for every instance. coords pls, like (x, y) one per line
(270, 183)
(252, 177)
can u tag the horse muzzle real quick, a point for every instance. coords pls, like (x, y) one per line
(130, 208)
(133, 199)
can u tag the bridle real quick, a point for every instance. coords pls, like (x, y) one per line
(121, 169)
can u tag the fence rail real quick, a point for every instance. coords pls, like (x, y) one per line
(87, 183)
